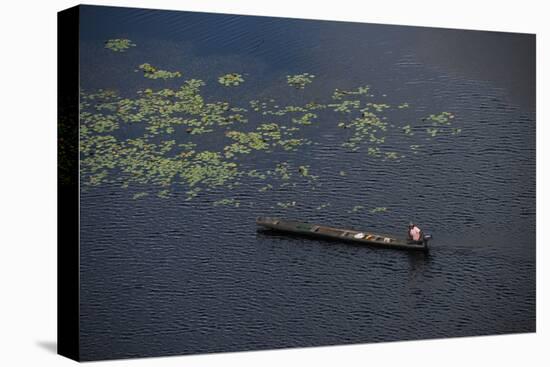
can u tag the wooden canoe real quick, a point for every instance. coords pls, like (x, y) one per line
(340, 234)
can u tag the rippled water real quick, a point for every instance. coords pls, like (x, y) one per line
(169, 276)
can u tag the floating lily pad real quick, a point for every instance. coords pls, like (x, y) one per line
(304, 170)
(407, 129)
(444, 118)
(139, 195)
(305, 119)
(166, 148)
(379, 210)
(392, 155)
(231, 80)
(322, 206)
(432, 131)
(151, 72)
(265, 188)
(345, 106)
(299, 81)
(339, 93)
(379, 107)
(119, 44)
(227, 202)
(164, 194)
(356, 208)
(286, 205)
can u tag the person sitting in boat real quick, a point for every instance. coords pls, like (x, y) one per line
(415, 233)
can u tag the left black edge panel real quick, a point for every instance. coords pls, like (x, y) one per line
(68, 280)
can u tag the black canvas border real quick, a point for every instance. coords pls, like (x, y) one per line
(68, 246)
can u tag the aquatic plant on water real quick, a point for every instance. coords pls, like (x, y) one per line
(151, 72)
(322, 206)
(119, 44)
(299, 81)
(356, 208)
(379, 210)
(231, 80)
(167, 153)
(286, 205)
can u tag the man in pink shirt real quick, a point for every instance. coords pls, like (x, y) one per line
(414, 232)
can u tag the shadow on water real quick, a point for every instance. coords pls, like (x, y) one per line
(419, 261)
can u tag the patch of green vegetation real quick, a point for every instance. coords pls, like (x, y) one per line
(379, 107)
(191, 194)
(356, 208)
(98, 123)
(292, 144)
(322, 206)
(313, 106)
(256, 174)
(97, 178)
(282, 111)
(378, 210)
(339, 93)
(305, 119)
(285, 173)
(151, 72)
(403, 105)
(209, 168)
(432, 131)
(299, 81)
(119, 44)
(270, 130)
(286, 205)
(266, 187)
(374, 151)
(245, 143)
(345, 106)
(392, 155)
(164, 194)
(407, 129)
(443, 118)
(227, 202)
(283, 170)
(367, 127)
(231, 80)
(139, 195)
(141, 162)
(153, 137)
(303, 170)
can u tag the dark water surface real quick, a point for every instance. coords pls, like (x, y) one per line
(170, 276)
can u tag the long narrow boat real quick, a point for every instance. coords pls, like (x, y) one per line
(348, 235)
